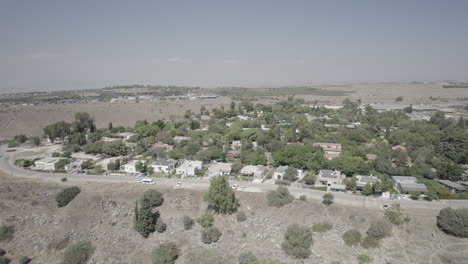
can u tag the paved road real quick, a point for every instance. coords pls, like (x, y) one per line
(6, 165)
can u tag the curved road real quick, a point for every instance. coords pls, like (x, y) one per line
(7, 158)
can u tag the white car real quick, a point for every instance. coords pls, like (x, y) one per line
(179, 184)
(147, 181)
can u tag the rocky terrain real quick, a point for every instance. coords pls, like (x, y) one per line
(103, 214)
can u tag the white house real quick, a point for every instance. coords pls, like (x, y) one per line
(254, 171)
(364, 180)
(219, 168)
(47, 164)
(189, 167)
(279, 172)
(164, 165)
(130, 167)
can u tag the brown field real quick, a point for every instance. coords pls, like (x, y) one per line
(32, 119)
(103, 214)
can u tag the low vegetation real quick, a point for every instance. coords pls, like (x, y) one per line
(369, 242)
(322, 227)
(24, 260)
(328, 199)
(206, 220)
(247, 258)
(211, 235)
(241, 216)
(166, 253)
(280, 197)
(66, 195)
(4, 260)
(297, 241)
(6, 232)
(220, 196)
(78, 253)
(453, 221)
(364, 259)
(395, 215)
(188, 222)
(352, 237)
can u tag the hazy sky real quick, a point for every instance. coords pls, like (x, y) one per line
(52, 45)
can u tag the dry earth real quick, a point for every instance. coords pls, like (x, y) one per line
(103, 214)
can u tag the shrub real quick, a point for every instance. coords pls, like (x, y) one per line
(395, 215)
(297, 241)
(66, 196)
(322, 227)
(453, 221)
(153, 197)
(280, 197)
(303, 197)
(206, 220)
(220, 196)
(379, 229)
(166, 253)
(399, 99)
(369, 242)
(247, 258)
(309, 179)
(4, 260)
(352, 237)
(78, 253)
(12, 144)
(241, 216)
(188, 222)
(24, 260)
(160, 225)
(2, 252)
(6, 232)
(328, 198)
(364, 259)
(211, 235)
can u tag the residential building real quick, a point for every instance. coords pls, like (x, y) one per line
(164, 165)
(452, 186)
(109, 139)
(329, 177)
(179, 139)
(125, 135)
(279, 172)
(167, 147)
(407, 184)
(236, 144)
(364, 180)
(256, 171)
(371, 156)
(47, 164)
(130, 167)
(332, 150)
(232, 154)
(189, 167)
(219, 168)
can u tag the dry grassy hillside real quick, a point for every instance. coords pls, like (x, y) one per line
(103, 214)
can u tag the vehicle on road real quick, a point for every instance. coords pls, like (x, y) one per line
(147, 181)
(179, 184)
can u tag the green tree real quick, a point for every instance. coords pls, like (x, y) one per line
(367, 189)
(280, 197)
(110, 126)
(453, 221)
(154, 198)
(83, 123)
(379, 229)
(35, 140)
(290, 174)
(297, 241)
(20, 138)
(144, 221)
(165, 253)
(328, 198)
(220, 196)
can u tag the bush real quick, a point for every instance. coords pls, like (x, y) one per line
(328, 198)
(4, 260)
(297, 241)
(78, 253)
(188, 222)
(241, 216)
(12, 144)
(211, 235)
(369, 242)
(453, 221)
(364, 259)
(24, 260)
(66, 196)
(302, 197)
(280, 197)
(160, 225)
(6, 232)
(379, 229)
(247, 258)
(153, 197)
(322, 227)
(399, 99)
(352, 237)
(166, 253)
(220, 196)
(2, 252)
(206, 220)
(395, 215)
(309, 179)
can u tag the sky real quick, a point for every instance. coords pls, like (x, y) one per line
(64, 44)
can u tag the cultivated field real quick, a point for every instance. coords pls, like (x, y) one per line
(103, 214)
